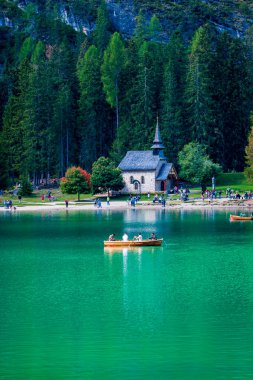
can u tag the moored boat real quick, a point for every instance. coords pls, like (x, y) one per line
(133, 243)
(238, 217)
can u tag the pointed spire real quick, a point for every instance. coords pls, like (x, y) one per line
(157, 133)
(158, 145)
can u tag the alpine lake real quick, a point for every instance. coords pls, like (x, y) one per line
(72, 310)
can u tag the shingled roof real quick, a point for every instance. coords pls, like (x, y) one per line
(139, 160)
(164, 172)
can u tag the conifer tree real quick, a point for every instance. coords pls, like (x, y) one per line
(15, 115)
(90, 95)
(249, 154)
(199, 85)
(37, 126)
(101, 34)
(113, 64)
(232, 102)
(26, 49)
(173, 98)
(64, 112)
(154, 28)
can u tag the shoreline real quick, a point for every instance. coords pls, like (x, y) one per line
(218, 204)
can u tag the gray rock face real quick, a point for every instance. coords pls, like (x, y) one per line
(123, 16)
(182, 15)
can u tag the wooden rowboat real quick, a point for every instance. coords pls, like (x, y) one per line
(133, 243)
(237, 217)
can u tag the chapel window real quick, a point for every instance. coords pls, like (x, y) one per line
(142, 179)
(131, 179)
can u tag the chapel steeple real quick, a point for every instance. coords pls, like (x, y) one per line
(158, 146)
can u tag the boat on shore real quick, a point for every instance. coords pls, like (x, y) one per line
(238, 217)
(133, 243)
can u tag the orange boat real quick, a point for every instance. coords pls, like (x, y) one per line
(133, 243)
(238, 217)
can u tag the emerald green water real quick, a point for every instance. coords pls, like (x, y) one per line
(69, 310)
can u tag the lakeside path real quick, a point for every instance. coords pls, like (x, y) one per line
(246, 205)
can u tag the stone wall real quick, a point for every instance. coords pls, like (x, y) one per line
(148, 186)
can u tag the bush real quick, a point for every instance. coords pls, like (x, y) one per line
(76, 181)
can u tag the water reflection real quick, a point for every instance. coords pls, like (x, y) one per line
(124, 251)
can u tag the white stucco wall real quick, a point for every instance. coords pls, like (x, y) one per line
(148, 186)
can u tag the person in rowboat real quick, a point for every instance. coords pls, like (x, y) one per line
(153, 236)
(125, 237)
(112, 237)
(139, 237)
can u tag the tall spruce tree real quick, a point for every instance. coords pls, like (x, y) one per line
(39, 137)
(248, 171)
(199, 85)
(232, 102)
(64, 113)
(113, 64)
(101, 34)
(89, 104)
(144, 101)
(15, 115)
(142, 88)
(173, 114)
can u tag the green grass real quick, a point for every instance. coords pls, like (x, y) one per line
(232, 179)
(235, 181)
(35, 198)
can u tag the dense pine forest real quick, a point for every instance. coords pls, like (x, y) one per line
(74, 88)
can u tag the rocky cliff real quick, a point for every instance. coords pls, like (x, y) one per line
(233, 16)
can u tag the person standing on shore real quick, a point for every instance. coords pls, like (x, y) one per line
(67, 203)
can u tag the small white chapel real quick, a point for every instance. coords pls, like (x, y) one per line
(148, 171)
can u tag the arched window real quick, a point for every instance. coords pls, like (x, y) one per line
(142, 179)
(131, 179)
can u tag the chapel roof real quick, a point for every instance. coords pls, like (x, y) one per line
(164, 172)
(139, 160)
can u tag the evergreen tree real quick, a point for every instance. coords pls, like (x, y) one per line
(144, 99)
(173, 103)
(114, 62)
(141, 31)
(232, 102)
(89, 107)
(142, 80)
(101, 35)
(199, 85)
(26, 49)
(64, 111)
(37, 125)
(15, 115)
(249, 154)
(154, 28)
